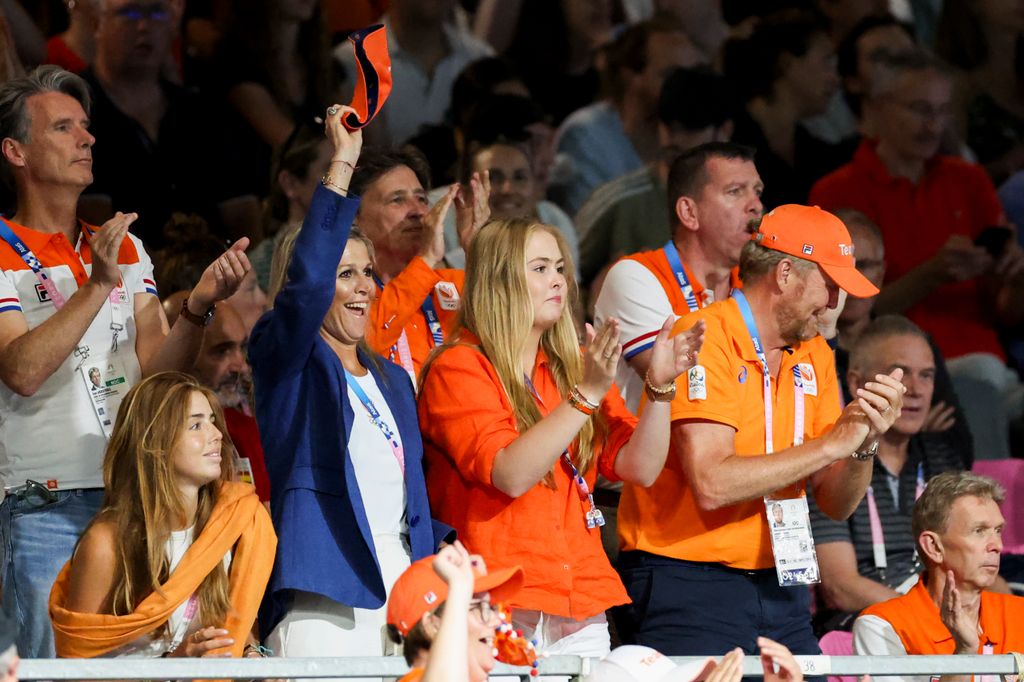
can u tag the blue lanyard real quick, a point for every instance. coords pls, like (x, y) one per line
(378, 421)
(798, 383)
(676, 263)
(433, 322)
(32, 262)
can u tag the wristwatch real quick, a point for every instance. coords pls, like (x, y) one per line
(198, 320)
(865, 455)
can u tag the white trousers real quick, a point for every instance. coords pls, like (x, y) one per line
(561, 636)
(317, 627)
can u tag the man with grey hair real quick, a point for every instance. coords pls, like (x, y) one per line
(75, 300)
(950, 267)
(958, 527)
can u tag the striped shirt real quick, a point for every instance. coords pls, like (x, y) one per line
(933, 451)
(54, 436)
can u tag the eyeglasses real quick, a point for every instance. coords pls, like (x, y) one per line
(136, 13)
(483, 609)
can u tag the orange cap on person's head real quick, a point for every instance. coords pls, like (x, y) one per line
(420, 589)
(810, 233)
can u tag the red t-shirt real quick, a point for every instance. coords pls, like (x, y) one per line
(953, 197)
(246, 437)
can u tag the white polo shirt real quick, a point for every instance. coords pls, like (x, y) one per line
(55, 437)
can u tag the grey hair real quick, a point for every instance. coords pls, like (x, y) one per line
(14, 121)
(880, 329)
(890, 68)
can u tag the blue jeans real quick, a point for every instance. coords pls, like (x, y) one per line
(685, 608)
(37, 537)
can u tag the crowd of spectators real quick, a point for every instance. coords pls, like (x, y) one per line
(667, 323)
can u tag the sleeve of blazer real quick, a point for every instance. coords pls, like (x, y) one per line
(284, 337)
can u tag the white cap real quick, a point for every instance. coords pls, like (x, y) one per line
(632, 663)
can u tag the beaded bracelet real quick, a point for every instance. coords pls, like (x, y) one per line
(264, 652)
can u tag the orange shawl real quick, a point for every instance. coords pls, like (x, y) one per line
(239, 523)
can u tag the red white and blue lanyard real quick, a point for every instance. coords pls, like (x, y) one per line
(798, 382)
(676, 263)
(57, 298)
(375, 416)
(875, 521)
(593, 517)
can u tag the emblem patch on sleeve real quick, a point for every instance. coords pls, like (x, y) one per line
(696, 383)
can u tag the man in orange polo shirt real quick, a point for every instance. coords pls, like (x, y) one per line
(951, 610)
(753, 422)
(416, 304)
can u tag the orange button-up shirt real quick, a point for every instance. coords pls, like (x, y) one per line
(665, 518)
(466, 419)
(398, 308)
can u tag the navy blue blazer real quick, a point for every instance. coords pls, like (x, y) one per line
(305, 422)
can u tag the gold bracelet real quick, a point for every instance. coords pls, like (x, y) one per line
(344, 162)
(662, 394)
(329, 182)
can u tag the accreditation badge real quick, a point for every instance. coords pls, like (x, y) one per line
(106, 381)
(243, 469)
(789, 523)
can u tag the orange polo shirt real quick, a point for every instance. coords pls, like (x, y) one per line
(466, 419)
(665, 519)
(915, 619)
(657, 262)
(414, 675)
(398, 308)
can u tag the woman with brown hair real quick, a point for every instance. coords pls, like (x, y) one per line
(176, 561)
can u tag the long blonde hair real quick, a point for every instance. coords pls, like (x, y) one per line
(497, 308)
(142, 499)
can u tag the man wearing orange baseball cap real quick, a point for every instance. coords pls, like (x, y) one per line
(458, 642)
(752, 423)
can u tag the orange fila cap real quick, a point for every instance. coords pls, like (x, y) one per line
(810, 233)
(420, 589)
(373, 75)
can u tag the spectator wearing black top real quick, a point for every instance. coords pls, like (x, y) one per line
(785, 72)
(160, 146)
(859, 566)
(946, 414)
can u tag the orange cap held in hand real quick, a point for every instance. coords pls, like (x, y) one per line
(373, 75)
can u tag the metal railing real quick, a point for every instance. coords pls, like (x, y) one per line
(387, 667)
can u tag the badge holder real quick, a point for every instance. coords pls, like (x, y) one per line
(789, 523)
(106, 382)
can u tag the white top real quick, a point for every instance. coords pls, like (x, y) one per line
(634, 296)
(149, 647)
(55, 435)
(417, 97)
(380, 480)
(874, 636)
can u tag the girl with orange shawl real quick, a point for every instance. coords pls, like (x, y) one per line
(177, 559)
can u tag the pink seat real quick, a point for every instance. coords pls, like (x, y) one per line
(1010, 474)
(838, 643)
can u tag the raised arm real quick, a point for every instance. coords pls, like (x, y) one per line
(286, 336)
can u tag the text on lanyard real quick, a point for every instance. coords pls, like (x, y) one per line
(798, 384)
(378, 420)
(676, 263)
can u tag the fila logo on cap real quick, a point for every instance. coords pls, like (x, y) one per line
(430, 597)
(808, 249)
